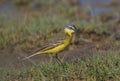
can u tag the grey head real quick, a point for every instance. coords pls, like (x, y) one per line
(71, 27)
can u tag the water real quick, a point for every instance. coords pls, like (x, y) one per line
(93, 2)
(96, 6)
(9, 11)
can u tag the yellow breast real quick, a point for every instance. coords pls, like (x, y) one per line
(57, 49)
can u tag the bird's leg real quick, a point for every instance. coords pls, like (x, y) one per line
(58, 59)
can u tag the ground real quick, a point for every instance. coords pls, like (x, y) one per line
(100, 44)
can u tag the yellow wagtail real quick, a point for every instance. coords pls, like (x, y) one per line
(56, 48)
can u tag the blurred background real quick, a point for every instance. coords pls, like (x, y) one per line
(81, 9)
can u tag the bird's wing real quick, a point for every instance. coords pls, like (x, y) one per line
(50, 46)
(46, 47)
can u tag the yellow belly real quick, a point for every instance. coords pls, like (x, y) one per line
(57, 49)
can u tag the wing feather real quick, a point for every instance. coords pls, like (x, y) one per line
(50, 46)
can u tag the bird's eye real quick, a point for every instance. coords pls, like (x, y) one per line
(72, 28)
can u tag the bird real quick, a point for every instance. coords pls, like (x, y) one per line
(56, 48)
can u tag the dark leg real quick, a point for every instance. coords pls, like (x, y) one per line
(58, 60)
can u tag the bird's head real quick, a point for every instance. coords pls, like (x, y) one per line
(70, 29)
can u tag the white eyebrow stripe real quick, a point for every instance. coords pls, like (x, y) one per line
(71, 27)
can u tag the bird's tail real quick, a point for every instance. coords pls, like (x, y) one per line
(33, 55)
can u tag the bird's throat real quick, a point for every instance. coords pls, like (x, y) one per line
(68, 40)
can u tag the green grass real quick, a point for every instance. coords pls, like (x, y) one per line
(35, 31)
(32, 31)
(51, 21)
(96, 68)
